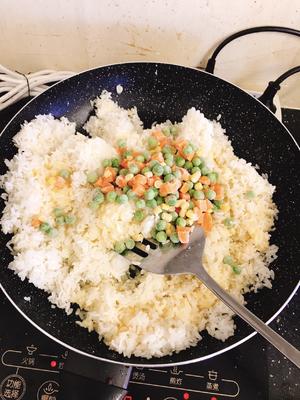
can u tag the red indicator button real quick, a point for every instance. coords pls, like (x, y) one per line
(53, 363)
(186, 396)
(213, 398)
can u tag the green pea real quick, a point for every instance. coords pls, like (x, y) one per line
(64, 173)
(133, 169)
(180, 222)
(177, 174)
(92, 177)
(155, 191)
(119, 247)
(129, 243)
(171, 200)
(179, 161)
(250, 194)
(161, 236)
(140, 158)
(158, 170)
(195, 169)
(167, 149)
(98, 198)
(140, 203)
(174, 238)
(174, 130)
(139, 215)
(218, 204)
(149, 194)
(115, 162)
(45, 227)
(191, 192)
(151, 203)
(131, 195)
(210, 194)
(146, 155)
(121, 143)
(152, 163)
(161, 225)
(228, 260)
(159, 200)
(199, 195)
(145, 170)
(188, 165)
(125, 189)
(111, 196)
(58, 212)
(167, 170)
(174, 215)
(94, 205)
(169, 159)
(236, 269)
(196, 161)
(204, 170)
(169, 177)
(123, 171)
(122, 199)
(166, 131)
(191, 205)
(127, 154)
(60, 220)
(228, 222)
(188, 149)
(52, 232)
(152, 142)
(70, 219)
(106, 163)
(213, 177)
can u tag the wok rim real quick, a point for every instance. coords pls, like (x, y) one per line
(149, 365)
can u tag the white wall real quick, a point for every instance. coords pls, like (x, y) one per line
(79, 34)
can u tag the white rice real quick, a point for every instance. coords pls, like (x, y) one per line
(150, 315)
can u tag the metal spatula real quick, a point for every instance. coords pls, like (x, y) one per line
(187, 259)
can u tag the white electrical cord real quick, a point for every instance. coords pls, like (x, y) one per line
(15, 85)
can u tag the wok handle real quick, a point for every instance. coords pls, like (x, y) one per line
(264, 330)
(268, 95)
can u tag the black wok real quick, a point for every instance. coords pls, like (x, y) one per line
(160, 92)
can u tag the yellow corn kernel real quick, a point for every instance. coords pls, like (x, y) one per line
(198, 186)
(138, 237)
(190, 214)
(182, 213)
(51, 180)
(198, 153)
(171, 208)
(157, 210)
(157, 184)
(165, 207)
(225, 207)
(189, 222)
(179, 203)
(195, 177)
(170, 229)
(184, 209)
(166, 217)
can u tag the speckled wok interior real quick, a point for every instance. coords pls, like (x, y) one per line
(160, 92)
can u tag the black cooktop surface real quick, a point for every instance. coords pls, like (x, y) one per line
(34, 367)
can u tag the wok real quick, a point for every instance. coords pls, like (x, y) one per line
(160, 92)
